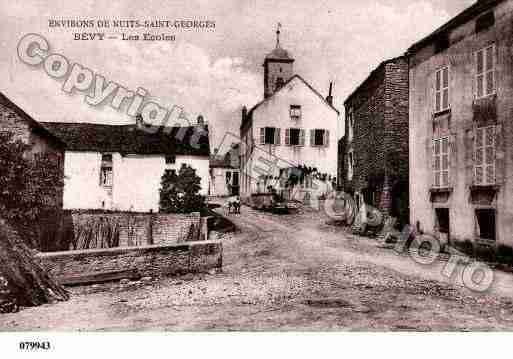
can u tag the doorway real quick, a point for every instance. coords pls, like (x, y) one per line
(485, 219)
(443, 221)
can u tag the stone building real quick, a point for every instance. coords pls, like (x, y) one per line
(461, 134)
(293, 127)
(13, 119)
(374, 151)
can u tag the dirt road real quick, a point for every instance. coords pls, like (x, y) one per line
(287, 273)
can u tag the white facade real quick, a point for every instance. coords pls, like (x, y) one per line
(315, 113)
(221, 180)
(135, 180)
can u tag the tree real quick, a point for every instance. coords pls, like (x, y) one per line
(179, 193)
(30, 187)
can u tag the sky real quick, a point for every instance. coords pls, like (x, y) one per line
(211, 72)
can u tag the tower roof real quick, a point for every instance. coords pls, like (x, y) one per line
(278, 53)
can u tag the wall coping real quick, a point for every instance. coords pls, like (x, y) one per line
(185, 246)
(107, 212)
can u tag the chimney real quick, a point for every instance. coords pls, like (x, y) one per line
(200, 120)
(329, 99)
(244, 113)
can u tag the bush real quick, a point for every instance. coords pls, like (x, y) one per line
(179, 193)
(30, 188)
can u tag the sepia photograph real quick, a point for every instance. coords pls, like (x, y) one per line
(251, 169)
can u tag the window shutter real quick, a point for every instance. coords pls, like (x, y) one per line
(277, 140)
(446, 156)
(437, 163)
(480, 70)
(453, 162)
(312, 138)
(445, 87)
(469, 157)
(262, 136)
(326, 138)
(430, 150)
(489, 67)
(489, 155)
(499, 156)
(438, 85)
(302, 138)
(287, 136)
(479, 175)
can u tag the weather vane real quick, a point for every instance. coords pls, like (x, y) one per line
(278, 27)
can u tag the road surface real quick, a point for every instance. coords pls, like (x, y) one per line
(287, 273)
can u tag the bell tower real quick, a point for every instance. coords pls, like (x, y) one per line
(278, 67)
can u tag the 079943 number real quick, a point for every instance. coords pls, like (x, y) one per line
(35, 346)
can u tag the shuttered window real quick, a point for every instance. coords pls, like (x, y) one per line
(319, 138)
(442, 90)
(294, 137)
(484, 156)
(270, 136)
(441, 162)
(485, 76)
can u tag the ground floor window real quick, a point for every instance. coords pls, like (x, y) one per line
(485, 219)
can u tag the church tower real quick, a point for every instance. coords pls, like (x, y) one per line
(278, 67)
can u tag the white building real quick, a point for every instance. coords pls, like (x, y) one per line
(225, 173)
(119, 167)
(294, 126)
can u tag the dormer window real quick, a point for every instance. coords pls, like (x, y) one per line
(295, 112)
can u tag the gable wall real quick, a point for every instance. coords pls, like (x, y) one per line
(316, 114)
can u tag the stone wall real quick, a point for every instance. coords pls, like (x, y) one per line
(155, 260)
(124, 229)
(380, 147)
